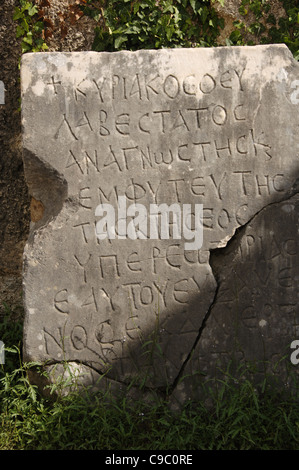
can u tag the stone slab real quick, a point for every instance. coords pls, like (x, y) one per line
(217, 127)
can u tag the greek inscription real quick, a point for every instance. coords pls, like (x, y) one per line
(109, 266)
(85, 198)
(61, 301)
(79, 337)
(53, 84)
(133, 262)
(65, 125)
(99, 86)
(83, 265)
(133, 142)
(133, 329)
(104, 333)
(54, 346)
(86, 231)
(141, 87)
(84, 121)
(167, 121)
(90, 300)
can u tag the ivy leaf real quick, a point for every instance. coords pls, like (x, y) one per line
(19, 31)
(177, 16)
(136, 7)
(119, 41)
(168, 33)
(193, 4)
(25, 47)
(25, 25)
(204, 13)
(32, 10)
(28, 39)
(26, 5)
(18, 14)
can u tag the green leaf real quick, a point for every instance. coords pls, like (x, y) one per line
(32, 10)
(25, 47)
(17, 14)
(28, 38)
(204, 14)
(19, 31)
(119, 41)
(193, 4)
(38, 27)
(25, 25)
(136, 7)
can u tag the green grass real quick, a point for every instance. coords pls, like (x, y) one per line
(238, 417)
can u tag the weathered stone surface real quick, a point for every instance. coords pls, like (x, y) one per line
(217, 127)
(255, 316)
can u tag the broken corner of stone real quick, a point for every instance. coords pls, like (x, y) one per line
(116, 147)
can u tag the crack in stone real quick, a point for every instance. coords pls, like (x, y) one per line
(57, 190)
(215, 252)
(291, 193)
(165, 392)
(202, 327)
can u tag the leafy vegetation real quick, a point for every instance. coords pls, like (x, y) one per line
(154, 24)
(151, 24)
(265, 27)
(30, 27)
(148, 24)
(238, 415)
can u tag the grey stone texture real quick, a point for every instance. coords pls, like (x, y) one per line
(217, 127)
(255, 316)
